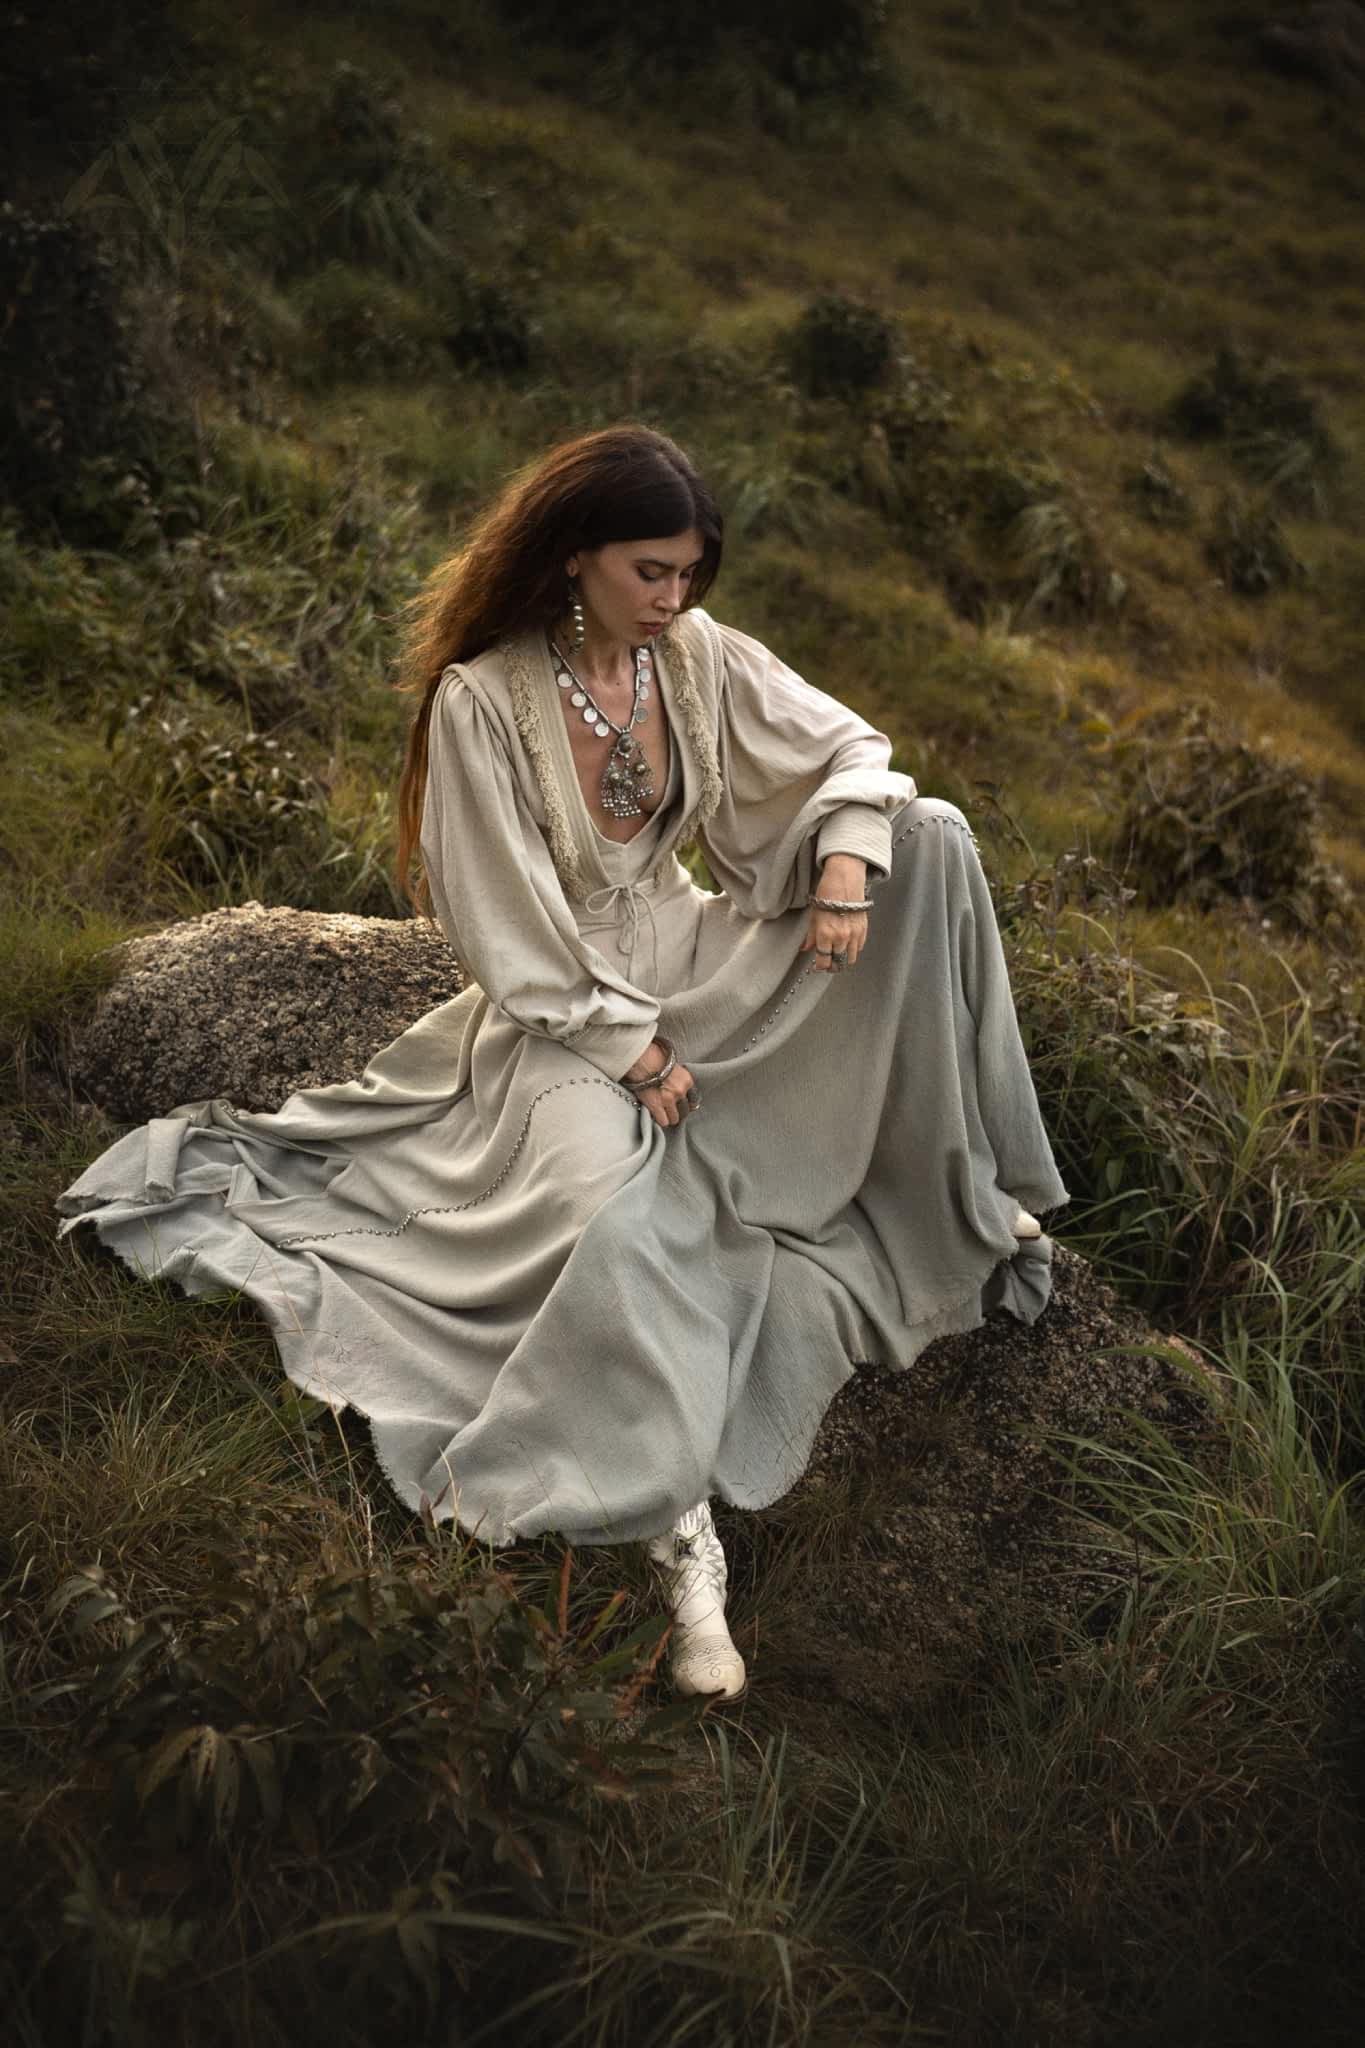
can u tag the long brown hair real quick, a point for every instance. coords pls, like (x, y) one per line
(621, 483)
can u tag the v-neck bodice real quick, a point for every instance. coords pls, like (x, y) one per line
(615, 860)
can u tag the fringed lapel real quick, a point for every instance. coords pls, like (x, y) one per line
(519, 660)
(688, 645)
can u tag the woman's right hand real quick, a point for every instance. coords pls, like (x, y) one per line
(667, 1103)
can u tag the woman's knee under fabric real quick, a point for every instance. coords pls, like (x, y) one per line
(927, 828)
(924, 812)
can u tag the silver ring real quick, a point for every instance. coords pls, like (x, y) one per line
(693, 1098)
(824, 953)
(840, 959)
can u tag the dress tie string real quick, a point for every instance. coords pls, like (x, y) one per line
(625, 898)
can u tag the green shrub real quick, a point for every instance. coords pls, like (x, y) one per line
(1210, 1142)
(283, 601)
(810, 46)
(236, 813)
(1247, 547)
(488, 328)
(221, 797)
(906, 460)
(1156, 494)
(917, 414)
(1041, 541)
(1270, 424)
(361, 184)
(1209, 816)
(364, 326)
(62, 632)
(1065, 572)
(360, 326)
(403, 1755)
(839, 347)
(72, 388)
(379, 191)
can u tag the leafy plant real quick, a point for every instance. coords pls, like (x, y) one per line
(381, 194)
(219, 795)
(73, 386)
(839, 347)
(360, 325)
(1040, 539)
(1247, 547)
(419, 1722)
(812, 46)
(1062, 563)
(332, 1702)
(1271, 425)
(237, 813)
(1157, 494)
(1210, 816)
(1210, 1142)
(487, 327)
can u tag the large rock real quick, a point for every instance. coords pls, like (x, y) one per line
(937, 1496)
(252, 1004)
(1326, 43)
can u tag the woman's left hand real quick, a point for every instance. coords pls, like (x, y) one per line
(838, 931)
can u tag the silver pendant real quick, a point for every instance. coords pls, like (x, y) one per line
(627, 779)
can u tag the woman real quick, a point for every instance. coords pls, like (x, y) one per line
(604, 1235)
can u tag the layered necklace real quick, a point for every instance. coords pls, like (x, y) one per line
(627, 776)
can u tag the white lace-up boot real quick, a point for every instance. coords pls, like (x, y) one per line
(691, 1563)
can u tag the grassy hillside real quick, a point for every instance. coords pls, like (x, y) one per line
(1025, 360)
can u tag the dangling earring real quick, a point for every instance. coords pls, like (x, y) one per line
(576, 643)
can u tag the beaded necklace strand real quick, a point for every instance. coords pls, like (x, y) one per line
(627, 775)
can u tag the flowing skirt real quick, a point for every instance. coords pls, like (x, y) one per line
(557, 1315)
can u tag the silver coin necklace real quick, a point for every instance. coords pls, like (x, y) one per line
(627, 776)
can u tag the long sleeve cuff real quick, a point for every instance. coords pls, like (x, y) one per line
(859, 830)
(613, 1048)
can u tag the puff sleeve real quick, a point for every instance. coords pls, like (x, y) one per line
(500, 902)
(802, 777)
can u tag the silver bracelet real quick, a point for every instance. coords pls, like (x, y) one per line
(653, 1080)
(833, 903)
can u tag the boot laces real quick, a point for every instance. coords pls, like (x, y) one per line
(698, 1558)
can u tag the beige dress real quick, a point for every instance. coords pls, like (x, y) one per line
(556, 1314)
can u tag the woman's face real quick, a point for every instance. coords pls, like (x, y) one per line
(630, 589)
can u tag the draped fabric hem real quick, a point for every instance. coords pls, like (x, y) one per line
(1019, 1283)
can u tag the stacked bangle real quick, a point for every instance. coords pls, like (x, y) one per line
(653, 1080)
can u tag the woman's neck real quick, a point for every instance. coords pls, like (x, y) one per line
(602, 661)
